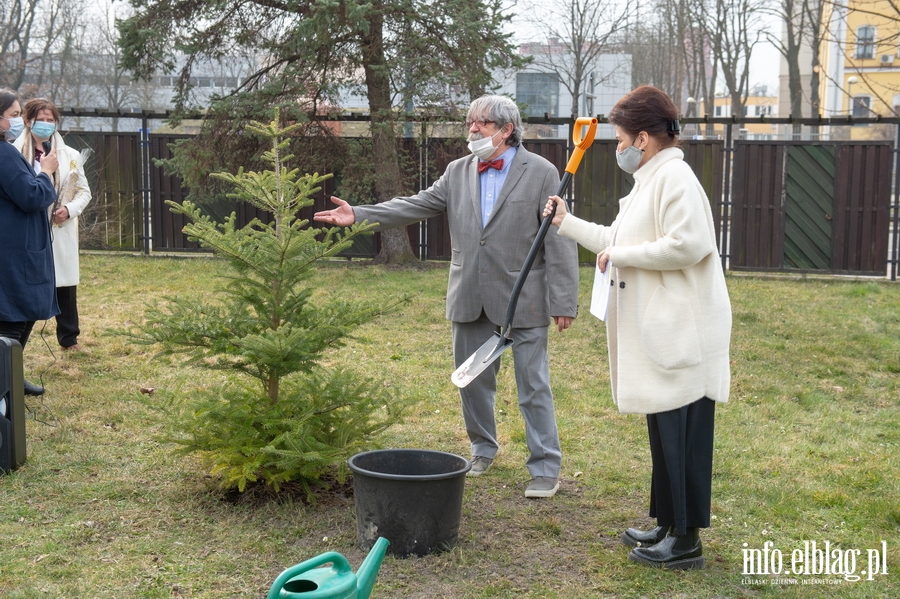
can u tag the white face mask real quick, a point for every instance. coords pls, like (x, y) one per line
(629, 159)
(483, 148)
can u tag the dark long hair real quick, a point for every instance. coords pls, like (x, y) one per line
(7, 97)
(648, 109)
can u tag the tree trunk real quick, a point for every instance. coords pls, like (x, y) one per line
(814, 10)
(794, 83)
(395, 247)
(814, 101)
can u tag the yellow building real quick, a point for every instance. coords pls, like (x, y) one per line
(754, 107)
(860, 58)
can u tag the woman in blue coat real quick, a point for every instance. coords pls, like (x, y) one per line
(27, 280)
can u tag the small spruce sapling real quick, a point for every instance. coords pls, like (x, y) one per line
(300, 420)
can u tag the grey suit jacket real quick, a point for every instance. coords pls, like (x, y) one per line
(487, 260)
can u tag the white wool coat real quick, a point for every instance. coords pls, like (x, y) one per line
(669, 319)
(65, 235)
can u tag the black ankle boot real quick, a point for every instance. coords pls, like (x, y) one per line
(675, 552)
(32, 389)
(634, 537)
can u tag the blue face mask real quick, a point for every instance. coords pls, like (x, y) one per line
(16, 126)
(43, 129)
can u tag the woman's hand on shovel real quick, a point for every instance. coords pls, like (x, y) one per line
(561, 209)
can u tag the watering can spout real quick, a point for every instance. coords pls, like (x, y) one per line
(368, 570)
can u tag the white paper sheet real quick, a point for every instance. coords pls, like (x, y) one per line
(600, 295)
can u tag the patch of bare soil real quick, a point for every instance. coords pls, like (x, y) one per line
(328, 492)
(509, 545)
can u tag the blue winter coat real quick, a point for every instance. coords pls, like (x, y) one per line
(27, 280)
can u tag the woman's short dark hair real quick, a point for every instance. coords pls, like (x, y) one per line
(648, 109)
(7, 97)
(35, 105)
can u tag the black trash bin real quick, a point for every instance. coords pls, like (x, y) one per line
(411, 497)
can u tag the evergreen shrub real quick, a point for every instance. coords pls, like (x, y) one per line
(282, 415)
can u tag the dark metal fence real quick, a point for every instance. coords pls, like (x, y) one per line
(114, 217)
(795, 206)
(812, 206)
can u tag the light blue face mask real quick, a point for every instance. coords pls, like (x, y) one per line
(43, 129)
(16, 126)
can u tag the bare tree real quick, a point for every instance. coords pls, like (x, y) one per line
(652, 43)
(37, 38)
(17, 21)
(694, 49)
(671, 47)
(682, 46)
(111, 85)
(58, 44)
(578, 32)
(735, 28)
(798, 32)
(817, 31)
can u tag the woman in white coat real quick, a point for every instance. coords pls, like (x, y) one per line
(668, 321)
(41, 124)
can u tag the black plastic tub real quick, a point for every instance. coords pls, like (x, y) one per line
(411, 497)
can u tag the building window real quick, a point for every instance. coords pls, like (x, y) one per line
(861, 106)
(539, 92)
(865, 42)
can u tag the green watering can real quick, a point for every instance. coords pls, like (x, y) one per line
(309, 581)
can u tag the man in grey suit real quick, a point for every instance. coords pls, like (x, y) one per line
(494, 201)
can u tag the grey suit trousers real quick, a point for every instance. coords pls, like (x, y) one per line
(532, 368)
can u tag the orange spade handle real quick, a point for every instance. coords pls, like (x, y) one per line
(582, 142)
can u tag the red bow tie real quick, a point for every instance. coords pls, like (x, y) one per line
(497, 164)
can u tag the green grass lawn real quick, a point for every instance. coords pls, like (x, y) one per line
(807, 450)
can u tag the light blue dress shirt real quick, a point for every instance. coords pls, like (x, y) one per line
(492, 182)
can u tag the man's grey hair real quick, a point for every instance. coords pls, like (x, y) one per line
(501, 110)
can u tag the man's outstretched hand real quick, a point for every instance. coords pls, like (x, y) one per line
(342, 215)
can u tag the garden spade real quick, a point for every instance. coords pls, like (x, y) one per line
(494, 347)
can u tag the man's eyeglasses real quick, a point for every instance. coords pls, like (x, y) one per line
(480, 122)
